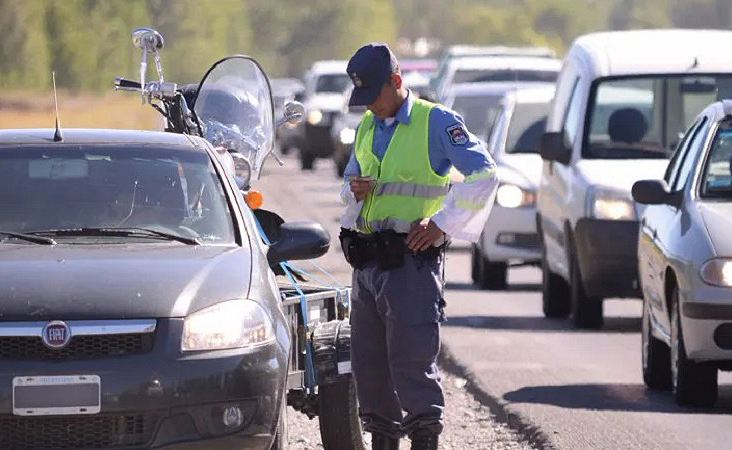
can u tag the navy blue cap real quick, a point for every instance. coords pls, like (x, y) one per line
(370, 68)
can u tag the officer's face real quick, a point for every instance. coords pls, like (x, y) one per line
(389, 101)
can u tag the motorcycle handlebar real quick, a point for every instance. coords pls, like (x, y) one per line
(126, 85)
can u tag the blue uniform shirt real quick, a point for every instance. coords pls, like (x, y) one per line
(448, 146)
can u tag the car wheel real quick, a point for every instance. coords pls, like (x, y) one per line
(340, 424)
(280, 442)
(340, 166)
(692, 383)
(489, 275)
(307, 160)
(474, 263)
(656, 356)
(586, 310)
(554, 291)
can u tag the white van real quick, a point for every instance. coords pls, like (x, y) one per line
(623, 101)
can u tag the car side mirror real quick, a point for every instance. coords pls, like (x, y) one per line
(552, 148)
(655, 192)
(298, 240)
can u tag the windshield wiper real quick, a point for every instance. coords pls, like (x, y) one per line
(122, 232)
(29, 237)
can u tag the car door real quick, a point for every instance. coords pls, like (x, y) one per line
(666, 227)
(649, 259)
(557, 179)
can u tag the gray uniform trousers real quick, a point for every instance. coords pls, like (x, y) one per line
(395, 339)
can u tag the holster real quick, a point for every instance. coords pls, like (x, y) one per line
(387, 248)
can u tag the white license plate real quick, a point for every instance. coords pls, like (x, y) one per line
(56, 395)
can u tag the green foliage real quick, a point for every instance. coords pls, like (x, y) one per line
(87, 42)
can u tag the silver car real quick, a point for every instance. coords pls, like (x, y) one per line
(685, 262)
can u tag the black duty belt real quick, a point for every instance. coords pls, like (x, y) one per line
(387, 248)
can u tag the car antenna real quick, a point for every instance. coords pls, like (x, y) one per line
(57, 137)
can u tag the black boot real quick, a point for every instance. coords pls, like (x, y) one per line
(424, 440)
(382, 442)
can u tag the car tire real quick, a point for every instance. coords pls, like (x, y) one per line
(692, 383)
(489, 275)
(280, 441)
(307, 160)
(586, 310)
(340, 424)
(554, 291)
(474, 263)
(340, 166)
(655, 355)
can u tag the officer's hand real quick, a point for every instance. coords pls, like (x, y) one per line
(423, 235)
(360, 188)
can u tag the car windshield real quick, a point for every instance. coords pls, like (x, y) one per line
(486, 75)
(717, 177)
(332, 83)
(63, 187)
(645, 117)
(478, 111)
(526, 127)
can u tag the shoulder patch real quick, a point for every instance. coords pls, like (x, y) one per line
(458, 135)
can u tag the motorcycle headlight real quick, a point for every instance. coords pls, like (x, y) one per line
(315, 117)
(347, 136)
(242, 168)
(512, 196)
(717, 272)
(612, 206)
(227, 325)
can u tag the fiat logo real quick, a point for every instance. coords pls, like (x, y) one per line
(56, 334)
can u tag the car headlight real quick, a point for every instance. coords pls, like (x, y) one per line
(512, 196)
(347, 136)
(226, 325)
(717, 272)
(612, 206)
(315, 117)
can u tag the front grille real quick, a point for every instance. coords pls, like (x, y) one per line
(28, 348)
(75, 432)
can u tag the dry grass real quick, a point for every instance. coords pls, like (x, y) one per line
(122, 110)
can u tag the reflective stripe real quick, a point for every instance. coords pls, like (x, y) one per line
(482, 175)
(400, 226)
(462, 204)
(410, 190)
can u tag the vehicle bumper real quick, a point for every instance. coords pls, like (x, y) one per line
(608, 257)
(706, 321)
(318, 141)
(510, 234)
(160, 398)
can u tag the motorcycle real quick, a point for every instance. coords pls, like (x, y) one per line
(232, 109)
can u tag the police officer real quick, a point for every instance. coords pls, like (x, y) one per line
(400, 213)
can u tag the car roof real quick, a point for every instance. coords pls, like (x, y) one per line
(96, 136)
(329, 66)
(718, 110)
(466, 50)
(506, 62)
(617, 53)
(534, 94)
(491, 87)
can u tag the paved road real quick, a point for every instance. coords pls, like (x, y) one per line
(576, 390)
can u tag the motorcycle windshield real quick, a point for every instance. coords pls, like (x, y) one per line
(234, 108)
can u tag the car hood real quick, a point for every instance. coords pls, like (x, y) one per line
(325, 102)
(620, 174)
(118, 281)
(717, 218)
(523, 169)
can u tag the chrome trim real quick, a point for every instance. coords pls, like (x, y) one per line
(80, 327)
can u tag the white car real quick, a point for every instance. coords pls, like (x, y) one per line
(685, 262)
(325, 84)
(509, 236)
(481, 69)
(623, 100)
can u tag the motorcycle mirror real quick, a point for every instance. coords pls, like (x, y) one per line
(293, 113)
(147, 39)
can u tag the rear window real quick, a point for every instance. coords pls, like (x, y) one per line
(96, 186)
(645, 117)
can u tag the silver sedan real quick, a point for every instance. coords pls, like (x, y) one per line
(685, 263)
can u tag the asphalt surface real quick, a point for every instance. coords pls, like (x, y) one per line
(555, 387)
